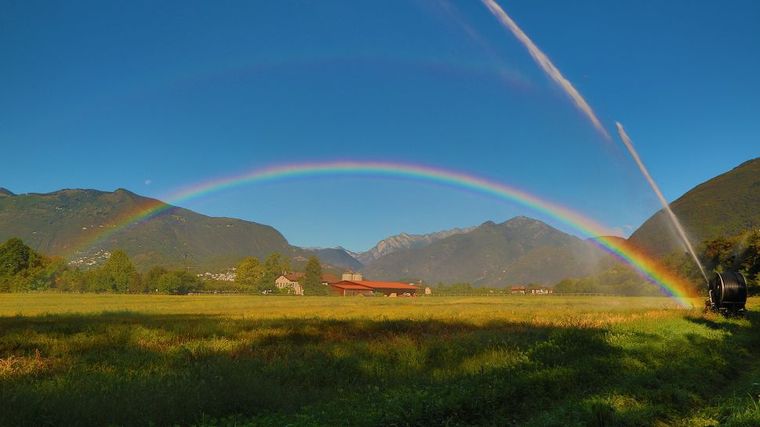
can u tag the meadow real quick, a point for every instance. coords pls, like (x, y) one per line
(88, 359)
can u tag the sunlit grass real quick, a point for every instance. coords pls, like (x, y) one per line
(124, 359)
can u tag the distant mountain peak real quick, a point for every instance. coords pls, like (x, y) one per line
(5, 192)
(405, 241)
(124, 191)
(519, 250)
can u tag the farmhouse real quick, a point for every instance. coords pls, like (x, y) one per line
(290, 281)
(518, 290)
(367, 287)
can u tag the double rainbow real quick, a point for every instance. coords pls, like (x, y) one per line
(671, 284)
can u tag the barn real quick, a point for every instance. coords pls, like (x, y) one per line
(368, 287)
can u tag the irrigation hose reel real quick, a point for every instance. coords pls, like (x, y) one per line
(728, 293)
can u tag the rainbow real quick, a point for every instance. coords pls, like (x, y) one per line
(671, 284)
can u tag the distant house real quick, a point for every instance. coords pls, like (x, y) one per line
(290, 281)
(366, 287)
(518, 290)
(542, 291)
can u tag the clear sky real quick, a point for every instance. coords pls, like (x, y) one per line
(153, 96)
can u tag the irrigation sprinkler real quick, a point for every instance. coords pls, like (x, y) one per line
(728, 293)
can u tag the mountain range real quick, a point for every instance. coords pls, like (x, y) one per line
(520, 250)
(79, 225)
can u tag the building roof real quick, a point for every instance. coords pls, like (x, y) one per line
(293, 277)
(378, 285)
(346, 285)
(329, 277)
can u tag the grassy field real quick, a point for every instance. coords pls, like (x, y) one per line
(239, 360)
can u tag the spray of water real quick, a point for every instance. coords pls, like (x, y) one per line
(548, 66)
(644, 171)
(553, 72)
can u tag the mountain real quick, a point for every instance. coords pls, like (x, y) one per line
(520, 250)
(5, 192)
(722, 206)
(337, 257)
(405, 241)
(69, 222)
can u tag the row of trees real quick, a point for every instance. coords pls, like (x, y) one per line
(22, 269)
(740, 253)
(254, 275)
(617, 279)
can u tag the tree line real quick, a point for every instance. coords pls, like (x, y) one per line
(739, 253)
(23, 270)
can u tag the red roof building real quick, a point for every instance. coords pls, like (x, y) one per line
(367, 287)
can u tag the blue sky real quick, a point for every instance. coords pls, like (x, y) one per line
(155, 96)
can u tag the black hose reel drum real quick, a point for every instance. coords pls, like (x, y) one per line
(728, 293)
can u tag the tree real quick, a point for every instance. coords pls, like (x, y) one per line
(274, 266)
(71, 280)
(312, 279)
(15, 257)
(750, 257)
(150, 281)
(719, 254)
(136, 284)
(178, 282)
(249, 273)
(117, 272)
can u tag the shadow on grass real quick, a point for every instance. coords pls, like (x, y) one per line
(135, 369)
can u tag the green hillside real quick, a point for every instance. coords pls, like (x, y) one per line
(723, 206)
(68, 222)
(520, 250)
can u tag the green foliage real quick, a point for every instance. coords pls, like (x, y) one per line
(15, 257)
(464, 289)
(178, 282)
(618, 279)
(116, 275)
(249, 273)
(274, 266)
(118, 271)
(740, 252)
(72, 280)
(23, 270)
(312, 278)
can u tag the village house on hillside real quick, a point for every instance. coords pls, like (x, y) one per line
(289, 282)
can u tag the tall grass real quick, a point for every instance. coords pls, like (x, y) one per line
(208, 360)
